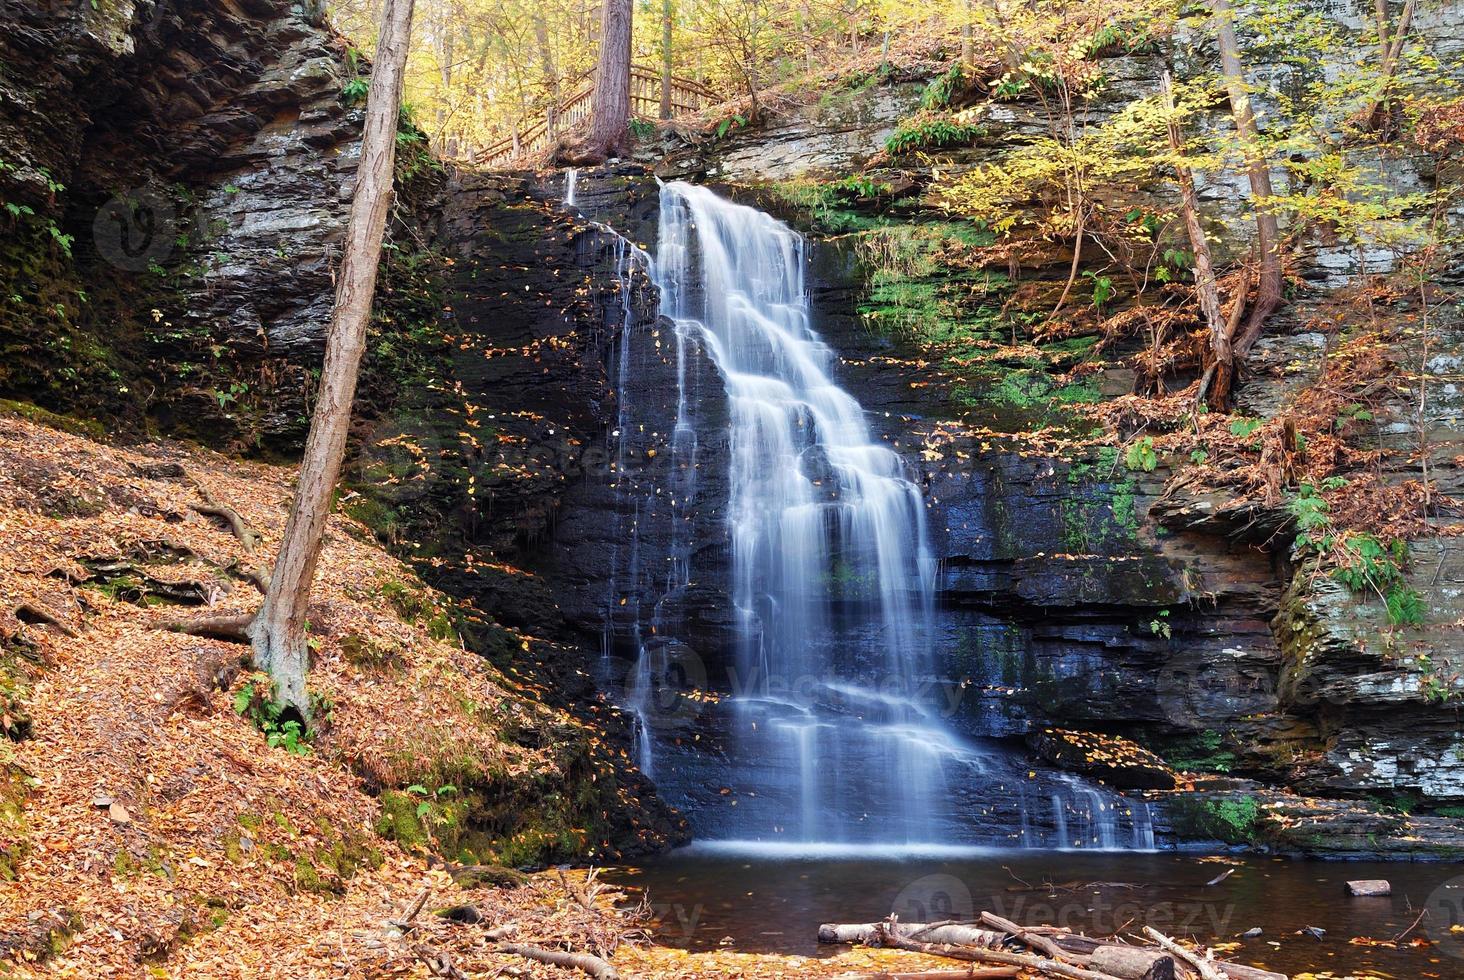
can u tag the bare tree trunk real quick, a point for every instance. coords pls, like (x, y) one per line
(278, 630)
(968, 38)
(610, 115)
(1380, 11)
(547, 68)
(1221, 353)
(668, 15)
(1392, 55)
(1082, 224)
(1258, 171)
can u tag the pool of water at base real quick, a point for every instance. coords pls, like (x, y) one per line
(758, 899)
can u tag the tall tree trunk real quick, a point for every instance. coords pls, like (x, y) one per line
(548, 70)
(805, 18)
(1258, 171)
(968, 37)
(278, 630)
(1371, 116)
(1380, 12)
(1221, 354)
(668, 16)
(610, 115)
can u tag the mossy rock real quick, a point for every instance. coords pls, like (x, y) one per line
(1233, 819)
(66, 423)
(15, 844)
(327, 869)
(488, 876)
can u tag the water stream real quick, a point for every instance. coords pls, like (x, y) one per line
(706, 900)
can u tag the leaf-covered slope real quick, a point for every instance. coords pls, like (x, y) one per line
(144, 817)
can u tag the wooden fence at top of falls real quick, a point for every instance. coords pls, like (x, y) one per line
(645, 103)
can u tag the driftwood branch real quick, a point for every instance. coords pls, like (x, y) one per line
(438, 963)
(1040, 943)
(933, 932)
(1207, 969)
(1059, 952)
(985, 973)
(409, 921)
(585, 962)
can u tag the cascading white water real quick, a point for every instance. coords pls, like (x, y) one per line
(833, 736)
(629, 258)
(833, 575)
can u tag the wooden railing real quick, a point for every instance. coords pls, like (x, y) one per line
(645, 103)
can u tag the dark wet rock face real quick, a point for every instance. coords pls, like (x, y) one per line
(1072, 594)
(1115, 761)
(207, 161)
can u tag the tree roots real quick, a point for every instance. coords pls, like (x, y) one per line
(211, 507)
(232, 627)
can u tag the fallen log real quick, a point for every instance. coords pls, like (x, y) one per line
(985, 973)
(585, 962)
(1133, 962)
(1369, 888)
(933, 932)
(972, 954)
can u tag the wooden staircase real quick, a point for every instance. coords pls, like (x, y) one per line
(645, 103)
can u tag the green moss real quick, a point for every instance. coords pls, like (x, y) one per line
(489, 876)
(1203, 752)
(157, 861)
(383, 519)
(1230, 819)
(15, 846)
(66, 423)
(327, 868)
(399, 821)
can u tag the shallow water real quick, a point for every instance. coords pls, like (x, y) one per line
(751, 900)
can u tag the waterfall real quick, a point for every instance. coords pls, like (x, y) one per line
(770, 581)
(833, 575)
(571, 181)
(639, 691)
